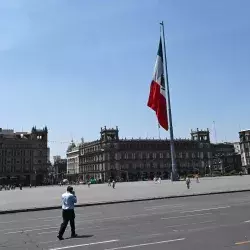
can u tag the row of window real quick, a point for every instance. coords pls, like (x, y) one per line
(9, 169)
(14, 146)
(14, 153)
(245, 138)
(14, 161)
(92, 168)
(22, 161)
(73, 160)
(160, 146)
(148, 165)
(72, 169)
(90, 149)
(134, 156)
(147, 146)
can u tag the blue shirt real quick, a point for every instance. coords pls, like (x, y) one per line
(68, 201)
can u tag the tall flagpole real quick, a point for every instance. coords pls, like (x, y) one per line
(159, 131)
(174, 176)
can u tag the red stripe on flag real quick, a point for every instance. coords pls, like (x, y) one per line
(157, 102)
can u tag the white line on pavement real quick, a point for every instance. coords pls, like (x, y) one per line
(205, 209)
(24, 228)
(94, 220)
(98, 228)
(87, 221)
(141, 236)
(84, 245)
(33, 219)
(30, 230)
(146, 244)
(46, 242)
(184, 216)
(159, 207)
(47, 218)
(188, 224)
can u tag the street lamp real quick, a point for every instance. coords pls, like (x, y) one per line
(210, 169)
(35, 176)
(103, 166)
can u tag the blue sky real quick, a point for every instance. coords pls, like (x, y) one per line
(78, 65)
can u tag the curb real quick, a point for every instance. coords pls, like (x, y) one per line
(120, 202)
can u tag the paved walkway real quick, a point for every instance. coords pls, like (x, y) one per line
(51, 196)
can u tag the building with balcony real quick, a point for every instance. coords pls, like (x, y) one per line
(140, 159)
(244, 136)
(60, 166)
(237, 148)
(23, 156)
(73, 159)
(225, 158)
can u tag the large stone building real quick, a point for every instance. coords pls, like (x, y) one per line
(237, 148)
(23, 156)
(244, 146)
(60, 166)
(73, 159)
(138, 159)
(225, 158)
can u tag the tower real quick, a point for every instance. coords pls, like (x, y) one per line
(109, 134)
(200, 135)
(40, 134)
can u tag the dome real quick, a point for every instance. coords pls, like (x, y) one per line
(71, 146)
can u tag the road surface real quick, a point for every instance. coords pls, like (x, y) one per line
(206, 222)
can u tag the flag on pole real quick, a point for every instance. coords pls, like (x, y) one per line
(157, 95)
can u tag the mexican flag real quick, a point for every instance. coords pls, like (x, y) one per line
(157, 95)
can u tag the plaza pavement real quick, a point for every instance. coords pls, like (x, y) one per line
(45, 197)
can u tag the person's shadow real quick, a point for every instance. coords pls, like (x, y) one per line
(80, 237)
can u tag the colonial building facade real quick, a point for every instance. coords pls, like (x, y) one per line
(23, 156)
(226, 158)
(73, 159)
(140, 159)
(60, 166)
(245, 148)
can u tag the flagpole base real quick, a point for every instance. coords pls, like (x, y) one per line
(174, 176)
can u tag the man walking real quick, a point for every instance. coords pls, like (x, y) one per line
(68, 213)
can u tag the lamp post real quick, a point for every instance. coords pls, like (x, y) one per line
(104, 164)
(210, 169)
(35, 177)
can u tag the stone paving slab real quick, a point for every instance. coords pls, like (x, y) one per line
(41, 197)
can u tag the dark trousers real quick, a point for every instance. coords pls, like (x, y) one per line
(68, 216)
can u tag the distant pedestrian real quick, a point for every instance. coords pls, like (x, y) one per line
(68, 212)
(159, 180)
(188, 182)
(197, 178)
